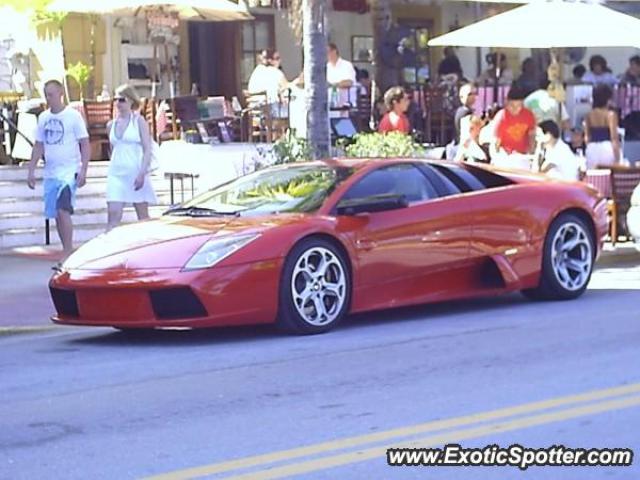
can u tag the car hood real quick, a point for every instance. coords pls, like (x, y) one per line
(132, 241)
(167, 242)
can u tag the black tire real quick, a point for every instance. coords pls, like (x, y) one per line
(289, 318)
(554, 284)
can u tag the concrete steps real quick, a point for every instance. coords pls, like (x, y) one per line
(82, 216)
(86, 225)
(21, 209)
(19, 173)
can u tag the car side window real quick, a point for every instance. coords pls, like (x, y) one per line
(442, 184)
(402, 179)
(460, 177)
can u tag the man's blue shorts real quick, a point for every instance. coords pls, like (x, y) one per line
(58, 195)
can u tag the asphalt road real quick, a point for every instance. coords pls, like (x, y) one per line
(98, 404)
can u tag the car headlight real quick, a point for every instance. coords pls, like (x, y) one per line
(217, 249)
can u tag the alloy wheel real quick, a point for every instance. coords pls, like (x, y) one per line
(318, 286)
(571, 256)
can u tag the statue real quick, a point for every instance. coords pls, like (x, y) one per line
(554, 73)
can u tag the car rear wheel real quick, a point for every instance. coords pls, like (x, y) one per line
(567, 262)
(315, 288)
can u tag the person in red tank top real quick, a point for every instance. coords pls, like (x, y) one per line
(397, 102)
(515, 125)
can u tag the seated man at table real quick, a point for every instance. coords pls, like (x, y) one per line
(559, 161)
(515, 129)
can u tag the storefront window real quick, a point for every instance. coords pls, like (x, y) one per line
(417, 56)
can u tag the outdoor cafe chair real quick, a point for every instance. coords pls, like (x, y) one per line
(149, 110)
(258, 121)
(97, 115)
(623, 180)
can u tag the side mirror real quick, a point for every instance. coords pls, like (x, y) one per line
(380, 203)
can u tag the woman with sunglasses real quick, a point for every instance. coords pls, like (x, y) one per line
(128, 176)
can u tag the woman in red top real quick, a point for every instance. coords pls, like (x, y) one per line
(395, 120)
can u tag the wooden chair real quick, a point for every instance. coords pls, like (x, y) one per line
(98, 114)
(361, 115)
(623, 181)
(149, 110)
(439, 120)
(258, 121)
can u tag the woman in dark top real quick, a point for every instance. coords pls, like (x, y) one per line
(601, 130)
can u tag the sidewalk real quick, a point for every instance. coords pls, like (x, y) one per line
(24, 291)
(24, 277)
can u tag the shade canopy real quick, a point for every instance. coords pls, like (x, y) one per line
(205, 10)
(548, 24)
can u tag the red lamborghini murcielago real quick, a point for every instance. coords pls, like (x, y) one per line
(304, 244)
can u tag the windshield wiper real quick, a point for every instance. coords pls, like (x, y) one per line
(199, 212)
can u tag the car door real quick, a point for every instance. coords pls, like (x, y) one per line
(400, 253)
(503, 226)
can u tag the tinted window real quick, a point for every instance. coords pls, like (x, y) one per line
(460, 177)
(487, 178)
(402, 179)
(442, 184)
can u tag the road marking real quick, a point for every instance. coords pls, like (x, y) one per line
(396, 434)
(438, 440)
(27, 329)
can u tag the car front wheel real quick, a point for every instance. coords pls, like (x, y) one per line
(315, 288)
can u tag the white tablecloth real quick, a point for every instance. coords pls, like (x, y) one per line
(213, 164)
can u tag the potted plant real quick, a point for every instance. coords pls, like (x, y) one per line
(385, 145)
(81, 73)
(290, 148)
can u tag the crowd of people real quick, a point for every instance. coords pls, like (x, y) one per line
(533, 129)
(530, 130)
(530, 76)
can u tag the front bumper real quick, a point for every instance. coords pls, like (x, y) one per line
(221, 296)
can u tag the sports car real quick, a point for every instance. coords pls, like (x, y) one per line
(304, 244)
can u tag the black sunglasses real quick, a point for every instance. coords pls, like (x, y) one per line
(120, 99)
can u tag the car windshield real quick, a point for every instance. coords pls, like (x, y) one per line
(286, 189)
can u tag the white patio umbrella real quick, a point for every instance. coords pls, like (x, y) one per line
(549, 24)
(206, 10)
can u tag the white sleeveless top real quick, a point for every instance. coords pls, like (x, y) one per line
(125, 164)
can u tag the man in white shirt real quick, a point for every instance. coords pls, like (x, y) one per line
(340, 72)
(341, 78)
(559, 161)
(62, 138)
